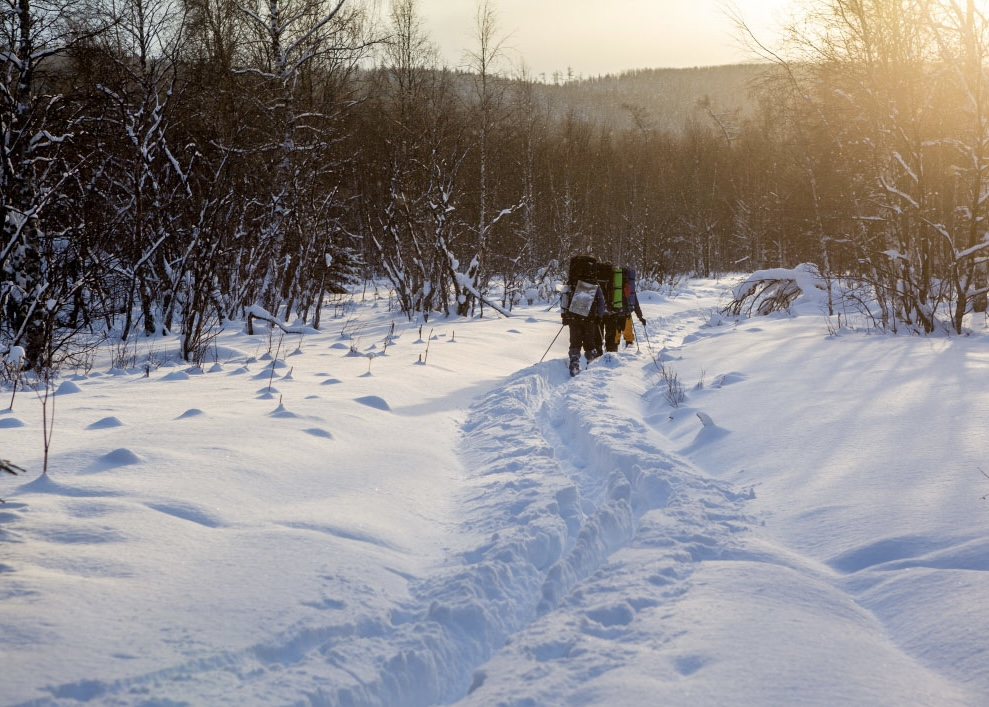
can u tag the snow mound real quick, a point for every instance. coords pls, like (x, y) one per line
(175, 376)
(191, 512)
(319, 432)
(281, 411)
(67, 388)
(105, 423)
(374, 401)
(119, 457)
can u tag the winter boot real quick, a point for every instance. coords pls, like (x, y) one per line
(574, 364)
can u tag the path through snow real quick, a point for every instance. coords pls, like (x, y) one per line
(560, 541)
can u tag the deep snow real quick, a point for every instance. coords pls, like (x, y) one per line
(416, 516)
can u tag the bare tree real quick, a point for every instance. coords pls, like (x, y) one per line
(301, 55)
(31, 173)
(898, 92)
(145, 166)
(489, 90)
(962, 37)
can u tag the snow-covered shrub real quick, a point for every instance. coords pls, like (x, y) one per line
(777, 290)
(673, 390)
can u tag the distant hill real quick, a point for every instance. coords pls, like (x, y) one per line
(661, 99)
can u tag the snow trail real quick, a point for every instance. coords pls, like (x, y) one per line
(624, 493)
(561, 474)
(560, 541)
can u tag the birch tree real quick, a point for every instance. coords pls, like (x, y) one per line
(489, 88)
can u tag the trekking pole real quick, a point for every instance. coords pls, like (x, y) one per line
(652, 353)
(553, 341)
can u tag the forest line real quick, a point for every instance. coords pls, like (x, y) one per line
(168, 166)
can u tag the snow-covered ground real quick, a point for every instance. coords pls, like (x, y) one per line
(450, 521)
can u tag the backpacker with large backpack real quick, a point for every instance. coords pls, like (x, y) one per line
(631, 305)
(578, 298)
(582, 304)
(612, 284)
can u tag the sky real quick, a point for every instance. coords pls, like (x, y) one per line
(592, 38)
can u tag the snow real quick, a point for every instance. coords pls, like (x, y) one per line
(473, 527)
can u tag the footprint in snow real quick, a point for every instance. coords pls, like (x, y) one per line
(191, 412)
(727, 379)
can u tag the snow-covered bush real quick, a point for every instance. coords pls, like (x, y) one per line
(778, 290)
(673, 390)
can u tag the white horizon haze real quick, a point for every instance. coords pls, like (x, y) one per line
(587, 39)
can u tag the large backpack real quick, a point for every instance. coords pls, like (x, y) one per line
(582, 267)
(606, 279)
(617, 292)
(628, 284)
(582, 283)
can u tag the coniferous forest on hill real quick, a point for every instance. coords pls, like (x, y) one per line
(169, 166)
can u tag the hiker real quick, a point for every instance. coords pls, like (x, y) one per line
(611, 277)
(631, 305)
(582, 307)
